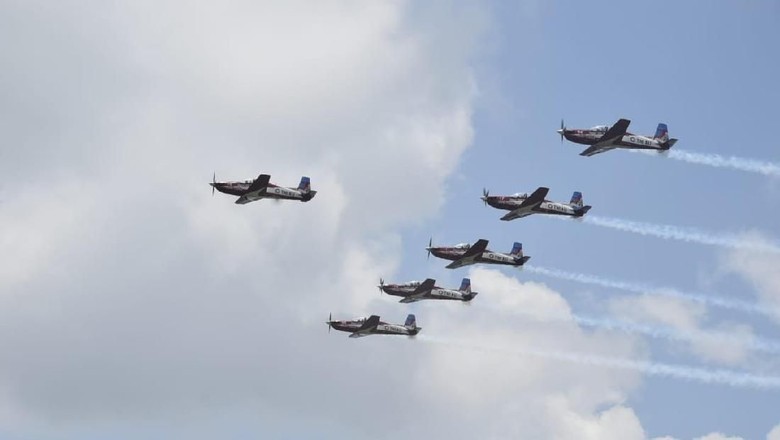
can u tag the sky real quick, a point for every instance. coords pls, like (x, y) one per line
(136, 304)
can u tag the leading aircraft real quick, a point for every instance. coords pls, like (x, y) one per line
(262, 188)
(360, 327)
(416, 291)
(602, 138)
(465, 254)
(523, 205)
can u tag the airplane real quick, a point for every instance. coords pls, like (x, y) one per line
(465, 254)
(602, 138)
(360, 327)
(416, 291)
(261, 188)
(523, 205)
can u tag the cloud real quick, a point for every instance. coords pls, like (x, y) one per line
(131, 295)
(760, 270)
(718, 436)
(128, 291)
(724, 342)
(774, 434)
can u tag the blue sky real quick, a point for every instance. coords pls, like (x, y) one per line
(708, 71)
(135, 303)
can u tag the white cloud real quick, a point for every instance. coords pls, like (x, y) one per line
(774, 434)
(718, 436)
(723, 342)
(138, 296)
(760, 270)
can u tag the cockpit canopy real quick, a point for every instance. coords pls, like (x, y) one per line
(518, 195)
(463, 245)
(600, 128)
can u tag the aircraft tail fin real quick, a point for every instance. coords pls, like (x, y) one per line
(576, 200)
(305, 184)
(661, 133)
(465, 285)
(517, 250)
(411, 322)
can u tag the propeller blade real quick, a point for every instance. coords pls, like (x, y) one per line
(381, 285)
(562, 130)
(330, 318)
(485, 195)
(430, 244)
(213, 183)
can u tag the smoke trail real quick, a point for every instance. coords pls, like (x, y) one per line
(708, 376)
(659, 332)
(709, 300)
(691, 235)
(716, 160)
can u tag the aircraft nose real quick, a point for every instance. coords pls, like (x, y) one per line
(560, 131)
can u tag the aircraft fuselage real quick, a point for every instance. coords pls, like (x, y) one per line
(272, 191)
(382, 328)
(488, 257)
(510, 203)
(628, 140)
(406, 290)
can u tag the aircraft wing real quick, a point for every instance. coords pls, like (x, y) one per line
(517, 213)
(423, 289)
(475, 251)
(596, 149)
(260, 183)
(614, 132)
(534, 200)
(253, 192)
(367, 328)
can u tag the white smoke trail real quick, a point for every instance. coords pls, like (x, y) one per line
(716, 160)
(640, 288)
(703, 375)
(691, 235)
(668, 333)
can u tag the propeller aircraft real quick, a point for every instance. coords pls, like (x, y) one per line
(523, 205)
(602, 138)
(465, 254)
(261, 188)
(360, 327)
(416, 291)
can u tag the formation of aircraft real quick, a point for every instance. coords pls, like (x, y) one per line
(599, 138)
(602, 138)
(262, 188)
(360, 327)
(417, 291)
(523, 205)
(465, 254)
